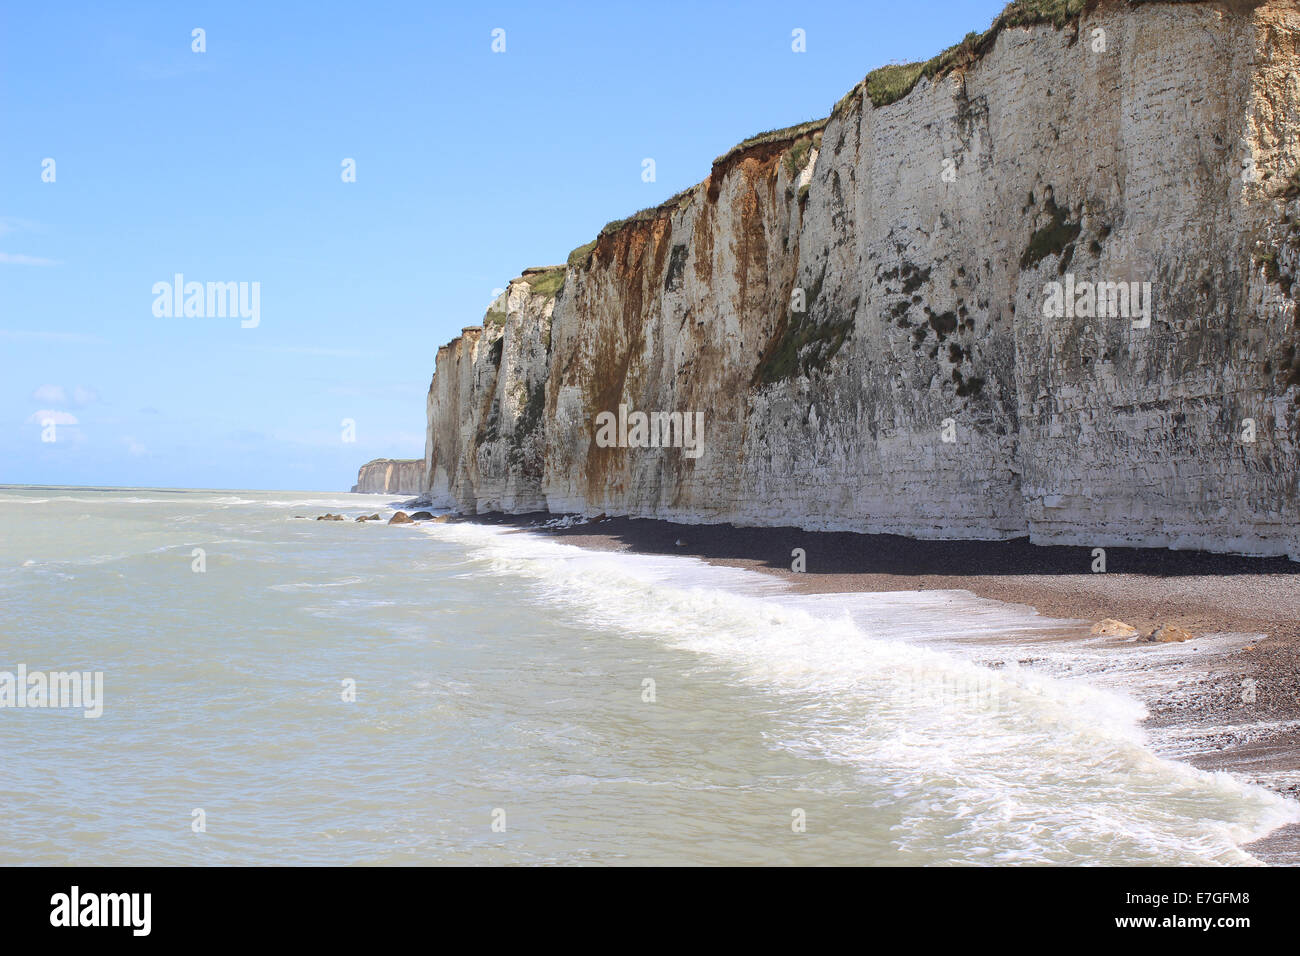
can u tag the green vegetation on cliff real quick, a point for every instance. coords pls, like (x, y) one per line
(891, 83)
(1028, 13)
(664, 209)
(1052, 239)
(546, 282)
(785, 134)
(581, 256)
(802, 344)
(797, 156)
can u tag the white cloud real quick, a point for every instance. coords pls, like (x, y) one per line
(47, 416)
(83, 396)
(18, 259)
(50, 394)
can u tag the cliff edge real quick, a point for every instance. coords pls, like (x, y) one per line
(1041, 285)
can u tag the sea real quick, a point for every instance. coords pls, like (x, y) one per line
(273, 689)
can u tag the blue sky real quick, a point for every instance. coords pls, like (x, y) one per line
(225, 165)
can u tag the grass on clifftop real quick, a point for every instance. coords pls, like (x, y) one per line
(667, 207)
(1028, 13)
(581, 256)
(795, 132)
(546, 282)
(891, 83)
(804, 135)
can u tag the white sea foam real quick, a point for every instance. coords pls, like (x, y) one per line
(1007, 765)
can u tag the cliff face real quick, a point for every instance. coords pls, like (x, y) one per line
(391, 476)
(864, 310)
(486, 431)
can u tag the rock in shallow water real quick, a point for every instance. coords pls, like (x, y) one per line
(400, 517)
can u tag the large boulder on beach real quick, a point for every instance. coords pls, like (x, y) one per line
(422, 516)
(400, 517)
(1112, 627)
(1169, 634)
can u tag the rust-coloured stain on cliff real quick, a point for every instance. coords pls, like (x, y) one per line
(635, 255)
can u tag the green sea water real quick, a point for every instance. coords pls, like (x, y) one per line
(304, 692)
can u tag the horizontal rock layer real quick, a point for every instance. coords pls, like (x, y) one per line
(861, 309)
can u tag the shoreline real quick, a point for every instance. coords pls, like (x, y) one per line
(1243, 614)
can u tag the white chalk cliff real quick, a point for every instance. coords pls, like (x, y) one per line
(391, 476)
(921, 226)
